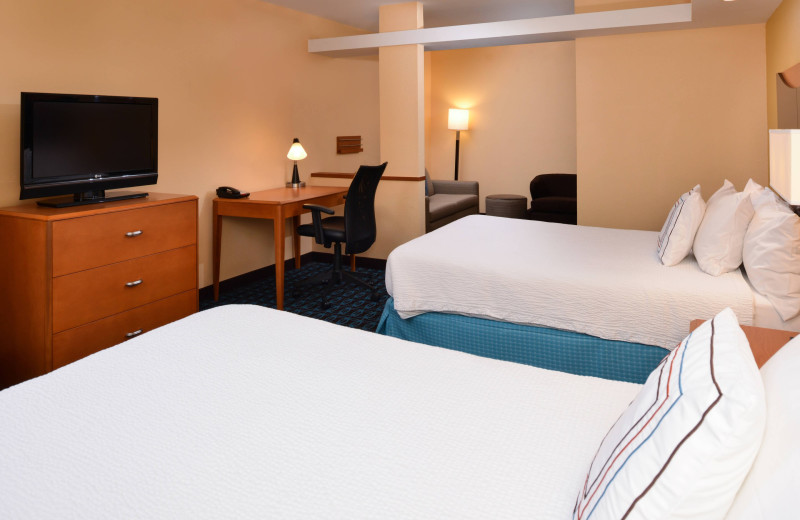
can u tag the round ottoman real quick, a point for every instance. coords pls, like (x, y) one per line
(504, 205)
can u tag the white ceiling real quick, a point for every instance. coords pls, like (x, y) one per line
(440, 13)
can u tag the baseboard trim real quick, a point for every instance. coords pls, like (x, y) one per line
(237, 282)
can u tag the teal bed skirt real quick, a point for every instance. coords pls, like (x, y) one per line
(553, 349)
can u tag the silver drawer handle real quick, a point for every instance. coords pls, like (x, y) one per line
(134, 284)
(133, 233)
(133, 334)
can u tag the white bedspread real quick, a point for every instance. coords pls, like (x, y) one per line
(605, 282)
(246, 412)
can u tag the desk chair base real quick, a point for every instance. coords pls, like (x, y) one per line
(336, 275)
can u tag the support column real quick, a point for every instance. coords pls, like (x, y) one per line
(400, 204)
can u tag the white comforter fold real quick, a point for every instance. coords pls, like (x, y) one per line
(604, 282)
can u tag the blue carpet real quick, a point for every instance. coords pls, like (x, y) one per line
(350, 303)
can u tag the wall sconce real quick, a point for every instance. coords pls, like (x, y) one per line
(784, 164)
(296, 153)
(458, 120)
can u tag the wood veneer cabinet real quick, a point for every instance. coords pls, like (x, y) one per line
(763, 342)
(74, 281)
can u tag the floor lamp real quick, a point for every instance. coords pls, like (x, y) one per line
(458, 120)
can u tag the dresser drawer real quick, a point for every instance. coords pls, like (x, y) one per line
(92, 241)
(86, 296)
(73, 344)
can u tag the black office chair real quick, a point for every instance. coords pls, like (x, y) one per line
(356, 229)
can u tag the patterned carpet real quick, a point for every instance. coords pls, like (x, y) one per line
(350, 303)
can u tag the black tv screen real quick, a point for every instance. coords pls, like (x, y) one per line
(83, 144)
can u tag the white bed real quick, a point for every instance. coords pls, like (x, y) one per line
(243, 411)
(565, 277)
(247, 412)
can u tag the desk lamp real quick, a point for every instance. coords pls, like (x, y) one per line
(458, 120)
(296, 153)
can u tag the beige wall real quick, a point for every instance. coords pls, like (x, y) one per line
(522, 114)
(235, 84)
(660, 112)
(783, 49)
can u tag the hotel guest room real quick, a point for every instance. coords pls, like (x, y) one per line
(639, 364)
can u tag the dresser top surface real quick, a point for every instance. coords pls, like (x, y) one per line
(30, 210)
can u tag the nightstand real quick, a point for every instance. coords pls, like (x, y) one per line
(763, 342)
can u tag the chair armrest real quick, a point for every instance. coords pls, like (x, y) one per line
(316, 218)
(456, 187)
(315, 208)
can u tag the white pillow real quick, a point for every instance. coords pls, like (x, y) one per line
(677, 235)
(771, 253)
(685, 444)
(770, 489)
(718, 243)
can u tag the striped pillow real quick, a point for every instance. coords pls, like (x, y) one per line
(677, 235)
(663, 458)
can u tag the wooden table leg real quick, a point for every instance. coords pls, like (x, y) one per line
(296, 241)
(217, 249)
(280, 237)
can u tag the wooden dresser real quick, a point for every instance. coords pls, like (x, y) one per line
(77, 280)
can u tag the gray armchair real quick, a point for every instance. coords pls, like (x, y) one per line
(446, 201)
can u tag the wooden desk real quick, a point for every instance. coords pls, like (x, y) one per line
(277, 204)
(763, 342)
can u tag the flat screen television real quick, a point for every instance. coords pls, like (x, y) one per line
(83, 145)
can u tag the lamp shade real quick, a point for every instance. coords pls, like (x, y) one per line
(296, 152)
(784, 164)
(458, 119)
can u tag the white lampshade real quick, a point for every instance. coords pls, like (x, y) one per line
(784, 164)
(296, 152)
(458, 119)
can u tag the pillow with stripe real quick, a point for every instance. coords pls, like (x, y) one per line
(685, 444)
(677, 235)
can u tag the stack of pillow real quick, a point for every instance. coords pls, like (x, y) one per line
(753, 227)
(710, 436)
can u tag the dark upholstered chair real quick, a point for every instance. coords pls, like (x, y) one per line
(356, 229)
(554, 198)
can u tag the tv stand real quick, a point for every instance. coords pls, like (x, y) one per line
(88, 197)
(76, 280)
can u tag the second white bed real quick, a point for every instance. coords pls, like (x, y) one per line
(603, 282)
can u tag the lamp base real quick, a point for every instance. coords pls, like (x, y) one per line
(296, 184)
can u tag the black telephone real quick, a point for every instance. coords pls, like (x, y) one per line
(226, 192)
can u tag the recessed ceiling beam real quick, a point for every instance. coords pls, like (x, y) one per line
(550, 28)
